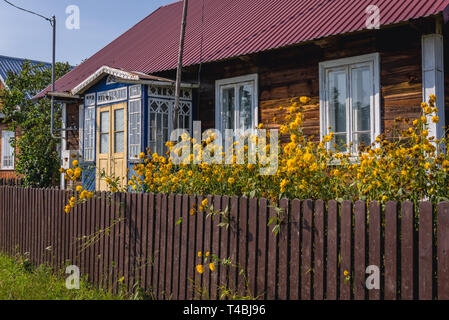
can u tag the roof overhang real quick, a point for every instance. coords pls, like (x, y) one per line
(120, 76)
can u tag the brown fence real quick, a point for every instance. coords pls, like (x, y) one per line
(154, 240)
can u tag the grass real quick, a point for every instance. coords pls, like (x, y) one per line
(19, 280)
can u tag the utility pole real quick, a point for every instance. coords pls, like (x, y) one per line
(179, 69)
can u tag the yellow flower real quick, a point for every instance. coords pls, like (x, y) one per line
(212, 267)
(346, 273)
(200, 269)
(231, 180)
(192, 211)
(67, 209)
(425, 133)
(70, 172)
(200, 254)
(304, 100)
(207, 254)
(435, 119)
(384, 198)
(121, 279)
(141, 155)
(75, 163)
(204, 202)
(79, 188)
(61, 170)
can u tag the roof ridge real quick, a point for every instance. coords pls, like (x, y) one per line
(24, 59)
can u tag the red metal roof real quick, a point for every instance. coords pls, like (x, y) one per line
(239, 27)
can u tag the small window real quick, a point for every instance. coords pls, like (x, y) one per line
(7, 150)
(112, 95)
(236, 103)
(89, 134)
(350, 101)
(134, 128)
(135, 91)
(90, 99)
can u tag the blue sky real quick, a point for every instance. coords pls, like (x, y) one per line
(101, 21)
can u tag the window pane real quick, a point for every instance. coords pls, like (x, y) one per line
(227, 112)
(337, 101)
(119, 142)
(361, 99)
(245, 103)
(361, 140)
(339, 143)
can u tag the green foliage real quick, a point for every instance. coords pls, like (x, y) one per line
(37, 158)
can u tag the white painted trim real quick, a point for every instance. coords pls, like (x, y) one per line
(99, 73)
(370, 59)
(433, 79)
(63, 141)
(235, 81)
(81, 130)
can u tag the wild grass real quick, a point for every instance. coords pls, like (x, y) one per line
(20, 280)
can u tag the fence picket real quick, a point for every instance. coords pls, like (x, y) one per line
(443, 251)
(319, 260)
(307, 241)
(391, 253)
(283, 247)
(375, 235)
(407, 250)
(346, 250)
(359, 250)
(295, 250)
(425, 265)
(332, 251)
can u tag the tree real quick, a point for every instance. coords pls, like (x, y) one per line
(37, 157)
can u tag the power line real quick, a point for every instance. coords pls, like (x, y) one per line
(37, 14)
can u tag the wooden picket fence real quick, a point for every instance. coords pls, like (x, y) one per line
(154, 240)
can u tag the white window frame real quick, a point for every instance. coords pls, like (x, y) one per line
(324, 67)
(234, 82)
(89, 132)
(131, 96)
(7, 140)
(90, 99)
(134, 156)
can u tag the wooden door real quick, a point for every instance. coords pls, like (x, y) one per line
(111, 144)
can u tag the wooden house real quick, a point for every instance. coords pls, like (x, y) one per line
(363, 63)
(7, 161)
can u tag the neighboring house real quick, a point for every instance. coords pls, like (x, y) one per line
(14, 65)
(252, 57)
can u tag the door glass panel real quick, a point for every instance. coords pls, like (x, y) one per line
(227, 112)
(104, 132)
(245, 103)
(119, 131)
